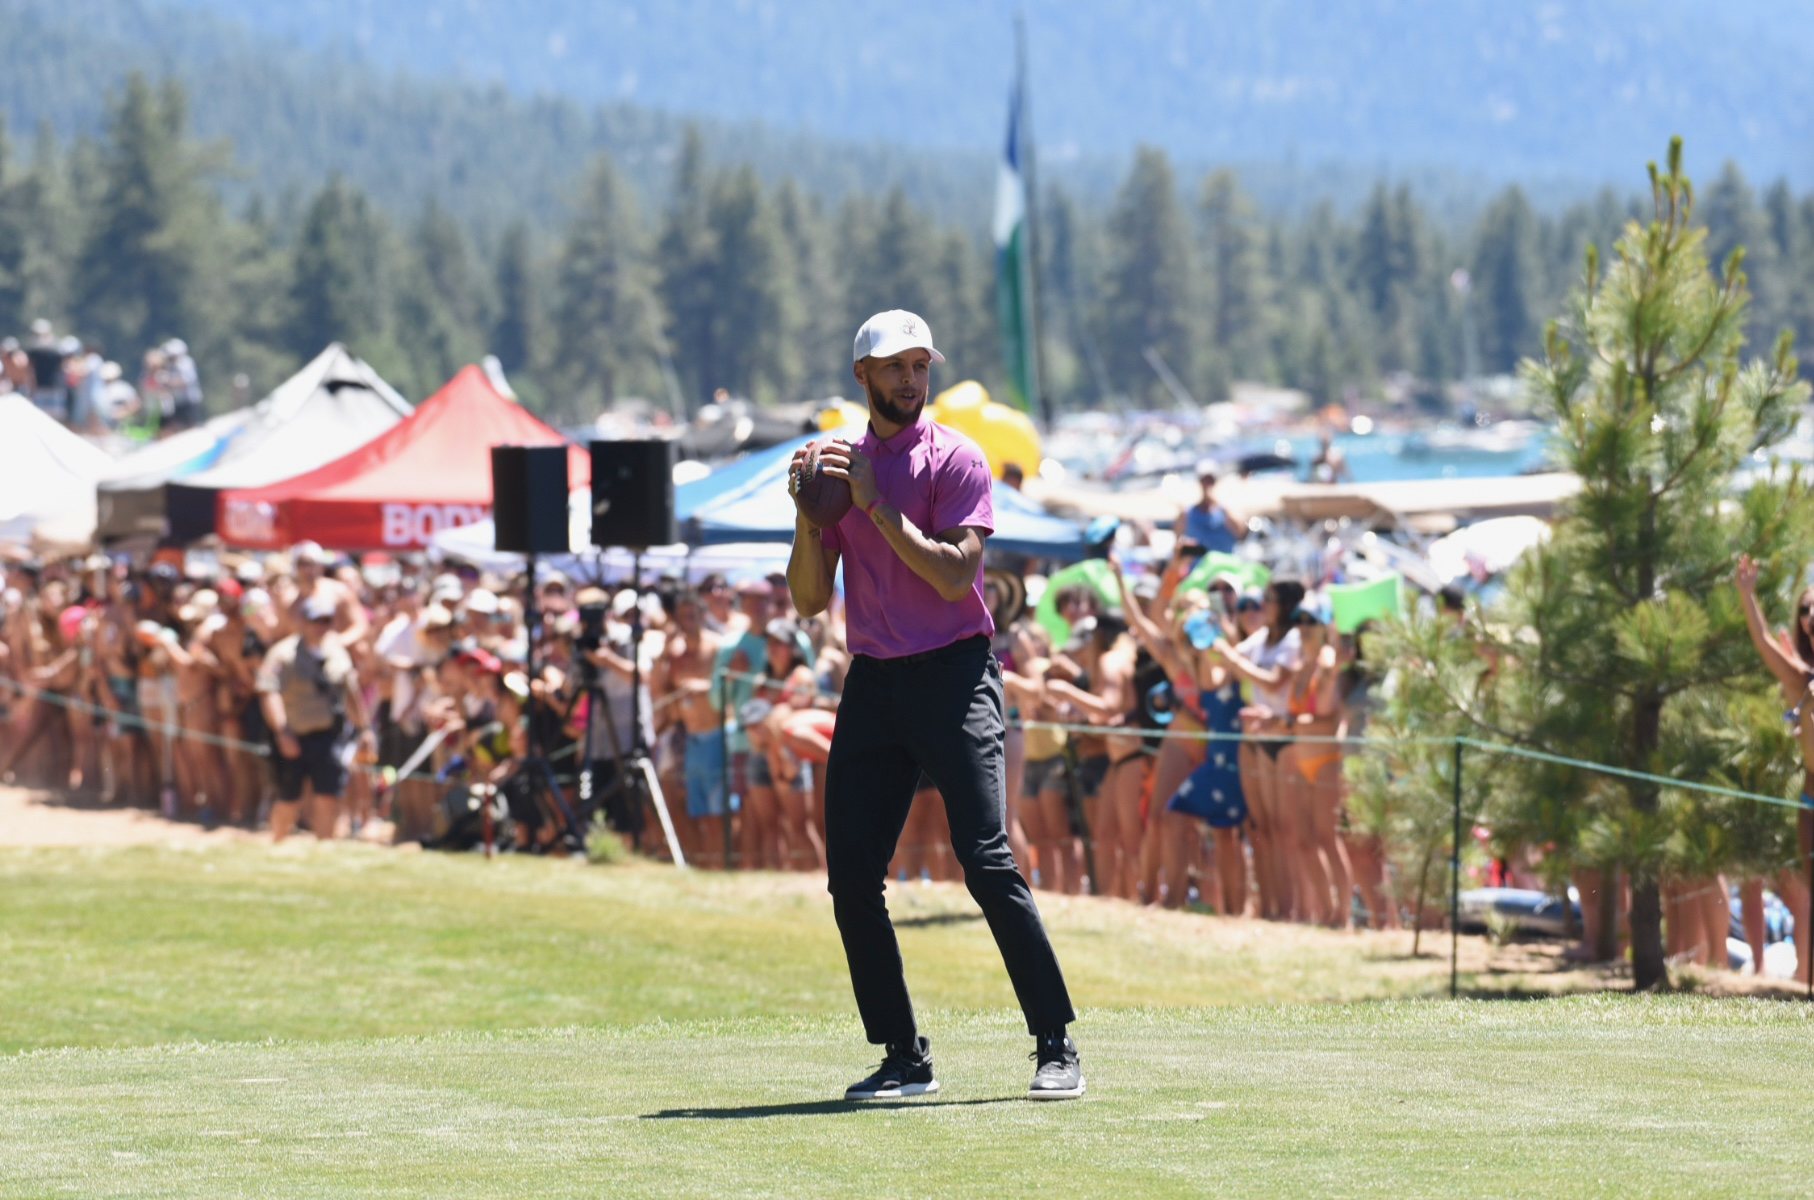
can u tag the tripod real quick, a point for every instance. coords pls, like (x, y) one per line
(536, 772)
(636, 778)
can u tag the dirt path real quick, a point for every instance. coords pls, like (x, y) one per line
(29, 817)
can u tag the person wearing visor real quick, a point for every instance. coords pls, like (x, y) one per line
(924, 693)
(307, 690)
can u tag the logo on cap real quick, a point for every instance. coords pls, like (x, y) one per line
(910, 327)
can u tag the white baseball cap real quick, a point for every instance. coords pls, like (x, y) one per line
(888, 333)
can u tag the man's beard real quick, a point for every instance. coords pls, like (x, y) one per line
(891, 412)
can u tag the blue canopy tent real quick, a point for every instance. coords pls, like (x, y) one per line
(754, 507)
(746, 502)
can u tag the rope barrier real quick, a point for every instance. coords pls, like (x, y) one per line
(1205, 735)
(170, 729)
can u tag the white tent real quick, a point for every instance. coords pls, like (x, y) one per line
(47, 485)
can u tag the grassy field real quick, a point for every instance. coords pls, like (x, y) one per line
(146, 945)
(344, 1021)
(1577, 1097)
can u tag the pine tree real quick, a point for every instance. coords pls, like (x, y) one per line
(338, 289)
(1505, 282)
(824, 334)
(1236, 286)
(1621, 640)
(516, 328)
(889, 258)
(149, 258)
(1734, 219)
(755, 316)
(249, 338)
(966, 313)
(607, 320)
(1147, 301)
(684, 258)
(439, 306)
(1387, 267)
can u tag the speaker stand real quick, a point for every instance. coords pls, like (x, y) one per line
(636, 773)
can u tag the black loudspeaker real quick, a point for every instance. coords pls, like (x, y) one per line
(633, 494)
(529, 499)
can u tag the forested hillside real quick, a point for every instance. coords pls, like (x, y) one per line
(737, 283)
(1514, 88)
(259, 201)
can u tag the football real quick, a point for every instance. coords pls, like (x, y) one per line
(823, 498)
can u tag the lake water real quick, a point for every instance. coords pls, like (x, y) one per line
(1383, 456)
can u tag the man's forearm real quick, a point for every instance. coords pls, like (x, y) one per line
(808, 580)
(947, 567)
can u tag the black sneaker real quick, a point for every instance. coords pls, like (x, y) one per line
(906, 1071)
(1059, 1075)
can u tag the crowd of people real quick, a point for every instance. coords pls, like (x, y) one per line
(389, 697)
(71, 380)
(352, 695)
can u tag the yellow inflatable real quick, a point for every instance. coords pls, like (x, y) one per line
(1006, 435)
(840, 413)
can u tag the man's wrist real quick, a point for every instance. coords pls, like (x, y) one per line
(869, 509)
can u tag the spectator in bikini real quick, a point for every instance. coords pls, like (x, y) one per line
(1366, 856)
(52, 672)
(1173, 842)
(794, 773)
(1005, 595)
(1265, 662)
(1310, 772)
(201, 767)
(237, 649)
(1106, 651)
(1045, 809)
(784, 673)
(1790, 659)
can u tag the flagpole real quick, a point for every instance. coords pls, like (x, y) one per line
(1030, 268)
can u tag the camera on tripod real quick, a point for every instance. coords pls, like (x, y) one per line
(632, 494)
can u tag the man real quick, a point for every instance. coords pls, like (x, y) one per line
(1206, 522)
(715, 593)
(310, 562)
(684, 680)
(50, 392)
(307, 689)
(923, 694)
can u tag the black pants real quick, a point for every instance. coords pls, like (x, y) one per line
(940, 713)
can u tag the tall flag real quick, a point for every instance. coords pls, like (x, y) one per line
(1013, 263)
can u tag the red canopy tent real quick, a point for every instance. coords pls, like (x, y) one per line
(430, 471)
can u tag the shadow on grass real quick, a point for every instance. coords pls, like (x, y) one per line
(812, 1108)
(929, 919)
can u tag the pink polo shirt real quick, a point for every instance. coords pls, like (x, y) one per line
(939, 480)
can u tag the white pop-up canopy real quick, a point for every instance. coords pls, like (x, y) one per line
(47, 480)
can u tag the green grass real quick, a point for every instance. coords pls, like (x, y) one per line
(345, 1021)
(1578, 1097)
(147, 945)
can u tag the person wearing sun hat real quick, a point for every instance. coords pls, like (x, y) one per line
(923, 695)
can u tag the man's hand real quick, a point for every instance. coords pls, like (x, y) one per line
(841, 460)
(794, 467)
(288, 746)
